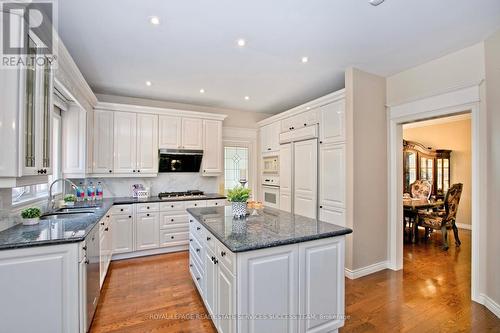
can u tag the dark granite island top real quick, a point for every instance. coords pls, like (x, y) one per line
(271, 227)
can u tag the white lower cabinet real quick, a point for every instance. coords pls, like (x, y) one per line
(123, 233)
(304, 282)
(147, 227)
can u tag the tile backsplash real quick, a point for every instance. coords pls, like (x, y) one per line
(166, 182)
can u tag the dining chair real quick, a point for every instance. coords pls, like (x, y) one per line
(443, 222)
(421, 189)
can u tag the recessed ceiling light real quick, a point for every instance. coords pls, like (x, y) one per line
(155, 20)
(241, 42)
(375, 2)
(148, 83)
(247, 98)
(202, 91)
(305, 59)
(308, 108)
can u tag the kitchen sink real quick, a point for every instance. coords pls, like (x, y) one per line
(69, 215)
(72, 210)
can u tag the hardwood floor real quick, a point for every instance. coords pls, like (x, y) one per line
(431, 294)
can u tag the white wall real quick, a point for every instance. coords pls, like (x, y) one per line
(460, 69)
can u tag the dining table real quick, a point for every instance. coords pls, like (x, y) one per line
(411, 207)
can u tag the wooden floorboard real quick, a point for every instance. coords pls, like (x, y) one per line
(431, 294)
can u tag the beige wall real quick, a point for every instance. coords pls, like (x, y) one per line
(456, 136)
(492, 65)
(367, 193)
(453, 71)
(236, 118)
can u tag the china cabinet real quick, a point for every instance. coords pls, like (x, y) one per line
(420, 162)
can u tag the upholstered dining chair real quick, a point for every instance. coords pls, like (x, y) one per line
(421, 189)
(444, 221)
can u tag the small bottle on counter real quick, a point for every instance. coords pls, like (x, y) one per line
(80, 192)
(99, 191)
(91, 192)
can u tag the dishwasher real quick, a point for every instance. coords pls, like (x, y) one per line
(92, 275)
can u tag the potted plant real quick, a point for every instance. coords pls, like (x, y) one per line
(69, 199)
(31, 216)
(238, 197)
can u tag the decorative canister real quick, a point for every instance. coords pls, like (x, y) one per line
(32, 221)
(239, 209)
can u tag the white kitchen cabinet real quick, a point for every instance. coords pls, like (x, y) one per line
(305, 178)
(300, 120)
(125, 134)
(332, 172)
(147, 143)
(123, 233)
(103, 142)
(269, 137)
(147, 231)
(332, 122)
(106, 246)
(268, 283)
(76, 159)
(210, 284)
(321, 287)
(170, 132)
(286, 177)
(192, 133)
(332, 215)
(212, 148)
(40, 289)
(226, 300)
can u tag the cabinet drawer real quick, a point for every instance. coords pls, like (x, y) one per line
(226, 257)
(167, 219)
(210, 241)
(216, 203)
(196, 203)
(197, 229)
(196, 250)
(197, 276)
(172, 206)
(172, 239)
(147, 207)
(121, 209)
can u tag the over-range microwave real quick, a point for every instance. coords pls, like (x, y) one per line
(179, 160)
(270, 165)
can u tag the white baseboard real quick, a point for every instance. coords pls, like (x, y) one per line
(163, 250)
(490, 304)
(464, 226)
(367, 270)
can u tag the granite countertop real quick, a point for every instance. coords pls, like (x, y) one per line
(69, 230)
(270, 228)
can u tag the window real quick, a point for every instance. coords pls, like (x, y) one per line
(24, 194)
(235, 166)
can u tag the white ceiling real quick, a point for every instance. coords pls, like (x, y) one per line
(194, 47)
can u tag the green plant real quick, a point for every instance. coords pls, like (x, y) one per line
(69, 198)
(31, 213)
(238, 194)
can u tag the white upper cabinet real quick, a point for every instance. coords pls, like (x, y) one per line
(332, 122)
(103, 142)
(74, 142)
(147, 143)
(305, 178)
(170, 132)
(212, 147)
(332, 185)
(270, 137)
(300, 120)
(125, 152)
(192, 133)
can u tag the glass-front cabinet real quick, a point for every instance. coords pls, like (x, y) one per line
(420, 162)
(36, 113)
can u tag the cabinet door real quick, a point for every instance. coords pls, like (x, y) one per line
(211, 284)
(147, 231)
(147, 143)
(170, 132)
(226, 300)
(123, 233)
(332, 215)
(286, 177)
(332, 122)
(74, 145)
(264, 134)
(103, 142)
(332, 175)
(212, 147)
(305, 178)
(285, 201)
(268, 282)
(274, 136)
(192, 133)
(321, 290)
(46, 106)
(125, 126)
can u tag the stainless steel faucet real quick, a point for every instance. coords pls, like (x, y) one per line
(50, 203)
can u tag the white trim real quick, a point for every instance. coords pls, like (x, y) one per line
(327, 99)
(464, 226)
(161, 250)
(239, 133)
(438, 121)
(490, 304)
(156, 110)
(367, 270)
(450, 103)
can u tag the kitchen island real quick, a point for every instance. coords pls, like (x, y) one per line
(270, 272)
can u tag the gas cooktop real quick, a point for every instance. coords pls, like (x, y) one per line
(186, 194)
